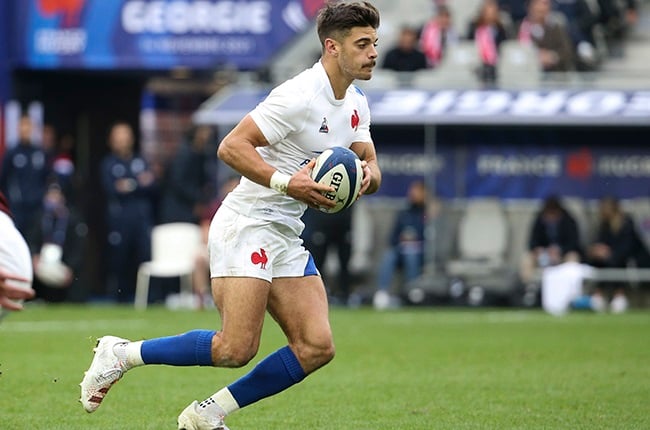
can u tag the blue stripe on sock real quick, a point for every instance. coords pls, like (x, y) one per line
(189, 349)
(275, 373)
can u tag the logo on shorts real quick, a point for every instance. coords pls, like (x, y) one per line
(260, 258)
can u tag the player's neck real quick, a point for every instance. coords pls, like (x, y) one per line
(338, 80)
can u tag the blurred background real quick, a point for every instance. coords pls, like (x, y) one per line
(512, 136)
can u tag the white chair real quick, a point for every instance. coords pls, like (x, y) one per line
(456, 70)
(519, 65)
(174, 249)
(483, 237)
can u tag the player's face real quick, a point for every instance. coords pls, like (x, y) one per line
(358, 55)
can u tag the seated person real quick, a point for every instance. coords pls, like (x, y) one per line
(549, 36)
(406, 246)
(406, 55)
(580, 21)
(488, 31)
(515, 9)
(56, 242)
(617, 18)
(617, 245)
(554, 239)
(437, 36)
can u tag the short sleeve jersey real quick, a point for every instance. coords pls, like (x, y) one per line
(300, 119)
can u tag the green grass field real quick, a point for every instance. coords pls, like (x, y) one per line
(407, 369)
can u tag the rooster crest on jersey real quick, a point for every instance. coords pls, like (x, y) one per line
(340, 168)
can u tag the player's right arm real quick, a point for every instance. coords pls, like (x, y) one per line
(238, 150)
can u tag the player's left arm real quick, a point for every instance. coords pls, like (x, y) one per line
(371, 173)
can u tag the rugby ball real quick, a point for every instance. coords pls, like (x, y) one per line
(339, 168)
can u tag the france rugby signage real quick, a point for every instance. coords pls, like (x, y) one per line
(508, 107)
(547, 107)
(156, 33)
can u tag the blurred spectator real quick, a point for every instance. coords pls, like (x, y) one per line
(437, 35)
(129, 185)
(406, 55)
(56, 242)
(188, 187)
(580, 22)
(323, 232)
(617, 245)
(406, 245)
(554, 239)
(48, 142)
(516, 9)
(548, 35)
(63, 166)
(617, 17)
(23, 177)
(488, 31)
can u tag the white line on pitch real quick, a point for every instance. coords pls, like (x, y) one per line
(79, 325)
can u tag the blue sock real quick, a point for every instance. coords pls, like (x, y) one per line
(275, 373)
(188, 349)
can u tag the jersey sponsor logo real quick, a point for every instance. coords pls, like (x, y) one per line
(323, 127)
(354, 121)
(260, 258)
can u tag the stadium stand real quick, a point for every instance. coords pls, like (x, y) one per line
(519, 69)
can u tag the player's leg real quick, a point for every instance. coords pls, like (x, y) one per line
(241, 302)
(297, 300)
(299, 305)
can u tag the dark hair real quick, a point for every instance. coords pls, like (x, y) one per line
(552, 204)
(336, 19)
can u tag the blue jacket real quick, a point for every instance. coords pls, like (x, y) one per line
(137, 201)
(24, 174)
(408, 230)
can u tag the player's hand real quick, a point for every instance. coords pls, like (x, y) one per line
(302, 187)
(9, 292)
(365, 182)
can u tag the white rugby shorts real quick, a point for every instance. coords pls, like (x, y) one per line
(240, 246)
(15, 257)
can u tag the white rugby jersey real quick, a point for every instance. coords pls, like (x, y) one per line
(300, 119)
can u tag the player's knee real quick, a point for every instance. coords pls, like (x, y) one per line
(326, 353)
(315, 353)
(238, 354)
(241, 357)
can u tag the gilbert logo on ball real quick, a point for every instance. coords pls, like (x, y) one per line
(339, 168)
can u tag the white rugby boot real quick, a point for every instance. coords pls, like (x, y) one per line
(192, 418)
(104, 371)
